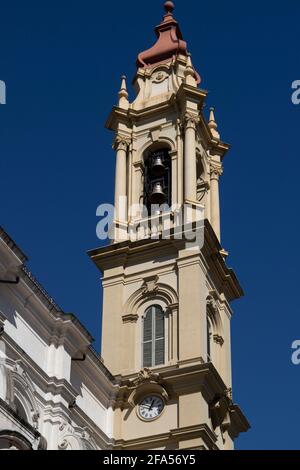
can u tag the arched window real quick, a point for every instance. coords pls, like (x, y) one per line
(154, 337)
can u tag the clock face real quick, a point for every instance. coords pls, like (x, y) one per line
(151, 407)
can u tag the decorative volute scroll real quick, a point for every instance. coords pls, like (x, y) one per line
(227, 416)
(73, 437)
(214, 315)
(220, 407)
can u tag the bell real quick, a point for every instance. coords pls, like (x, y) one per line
(157, 196)
(158, 168)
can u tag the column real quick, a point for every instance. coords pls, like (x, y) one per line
(174, 183)
(180, 171)
(121, 146)
(190, 167)
(137, 189)
(215, 173)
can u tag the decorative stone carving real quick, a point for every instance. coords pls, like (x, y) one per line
(66, 427)
(146, 382)
(159, 76)
(75, 438)
(35, 418)
(150, 286)
(221, 408)
(146, 375)
(212, 303)
(218, 339)
(63, 445)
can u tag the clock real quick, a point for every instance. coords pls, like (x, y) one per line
(150, 407)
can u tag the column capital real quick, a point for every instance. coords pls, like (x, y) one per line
(215, 171)
(191, 120)
(121, 142)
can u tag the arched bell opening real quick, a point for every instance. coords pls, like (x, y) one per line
(157, 179)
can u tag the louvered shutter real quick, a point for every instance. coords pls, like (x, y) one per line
(159, 337)
(148, 340)
(154, 337)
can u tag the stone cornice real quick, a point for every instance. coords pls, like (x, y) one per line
(180, 380)
(179, 434)
(238, 422)
(226, 276)
(12, 245)
(130, 116)
(178, 103)
(54, 385)
(118, 254)
(188, 92)
(46, 383)
(42, 310)
(117, 115)
(34, 298)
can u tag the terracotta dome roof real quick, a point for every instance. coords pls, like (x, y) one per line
(170, 42)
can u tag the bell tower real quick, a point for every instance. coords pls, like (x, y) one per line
(166, 303)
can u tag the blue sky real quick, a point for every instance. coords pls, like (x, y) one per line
(62, 62)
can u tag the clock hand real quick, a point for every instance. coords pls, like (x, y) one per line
(151, 405)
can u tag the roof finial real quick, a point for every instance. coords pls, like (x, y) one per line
(123, 94)
(169, 7)
(189, 72)
(212, 124)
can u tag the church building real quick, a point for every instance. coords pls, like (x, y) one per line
(163, 381)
